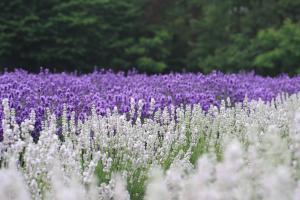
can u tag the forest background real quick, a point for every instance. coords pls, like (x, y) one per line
(152, 36)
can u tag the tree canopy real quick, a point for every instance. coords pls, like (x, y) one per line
(153, 36)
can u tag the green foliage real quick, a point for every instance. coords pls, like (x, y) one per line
(153, 36)
(226, 31)
(149, 53)
(279, 48)
(66, 35)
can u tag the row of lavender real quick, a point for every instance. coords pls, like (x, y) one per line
(104, 90)
(248, 152)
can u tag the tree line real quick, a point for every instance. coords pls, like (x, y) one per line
(152, 36)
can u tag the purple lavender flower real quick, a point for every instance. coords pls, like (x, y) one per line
(104, 90)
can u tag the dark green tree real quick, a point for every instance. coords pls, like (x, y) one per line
(279, 49)
(226, 30)
(67, 35)
(153, 36)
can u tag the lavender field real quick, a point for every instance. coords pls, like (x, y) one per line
(107, 90)
(122, 136)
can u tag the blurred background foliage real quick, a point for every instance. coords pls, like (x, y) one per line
(153, 36)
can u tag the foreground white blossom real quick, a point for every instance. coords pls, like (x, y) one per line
(249, 151)
(12, 184)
